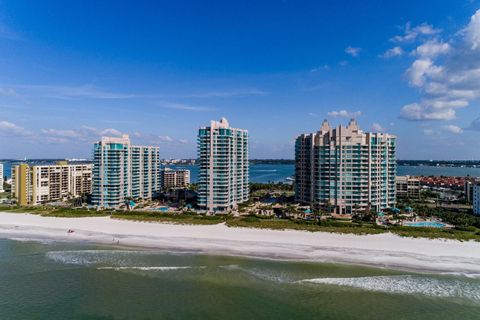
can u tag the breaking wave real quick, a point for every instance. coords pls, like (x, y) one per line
(149, 268)
(407, 284)
(92, 257)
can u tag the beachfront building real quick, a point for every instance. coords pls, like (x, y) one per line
(123, 172)
(174, 178)
(223, 163)
(476, 199)
(38, 184)
(408, 187)
(1, 177)
(343, 170)
(468, 187)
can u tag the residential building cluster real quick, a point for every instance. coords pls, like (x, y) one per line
(341, 170)
(37, 184)
(443, 182)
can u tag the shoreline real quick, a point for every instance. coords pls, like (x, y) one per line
(381, 250)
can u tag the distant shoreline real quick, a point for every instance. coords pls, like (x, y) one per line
(382, 250)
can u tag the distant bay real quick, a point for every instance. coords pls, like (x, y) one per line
(265, 173)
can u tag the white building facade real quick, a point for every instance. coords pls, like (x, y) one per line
(223, 181)
(344, 170)
(122, 172)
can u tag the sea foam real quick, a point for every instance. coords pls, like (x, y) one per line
(407, 284)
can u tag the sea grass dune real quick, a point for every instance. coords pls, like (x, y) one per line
(381, 250)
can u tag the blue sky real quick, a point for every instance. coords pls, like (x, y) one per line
(71, 71)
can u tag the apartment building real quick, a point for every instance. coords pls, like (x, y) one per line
(468, 187)
(408, 187)
(122, 171)
(224, 168)
(1, 177)
(345, 170)
(476, 199)
(37, 184)
(174, 178)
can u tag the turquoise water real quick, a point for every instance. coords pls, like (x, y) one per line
(426, 224)
(80, 281)
(264, 173)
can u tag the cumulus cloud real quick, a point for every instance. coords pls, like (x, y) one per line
(376, 127)
(447, 74)
(344, 114)
(354, 52)
(473, 31)
(432, 49)
(393, 52)
(411, 34)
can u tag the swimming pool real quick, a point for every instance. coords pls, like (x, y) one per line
(426, 224)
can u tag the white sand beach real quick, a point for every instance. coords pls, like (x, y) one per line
(383, 250)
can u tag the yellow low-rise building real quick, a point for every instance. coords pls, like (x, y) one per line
(45, 183)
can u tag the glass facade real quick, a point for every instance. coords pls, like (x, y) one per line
(122, 172)
(223, 163)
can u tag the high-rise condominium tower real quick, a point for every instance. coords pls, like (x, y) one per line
(345, 170)
(122, 171)
(1, 177)
(223, 161)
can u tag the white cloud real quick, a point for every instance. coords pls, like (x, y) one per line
(453, 128)
(344, 113)
(376, 127)
(8, 92)
(9, 128)
(413, 33)
(429, 132)
(182, 106)
(320, 68)
(426, 111)
(73, 92)
(354, 52)
(82, 134)
(422, 69)
(432, 49)
(447, 74)
(473, 31)
(226, 93)
(393, 52)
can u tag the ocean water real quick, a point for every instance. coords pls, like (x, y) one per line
(82, 281)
